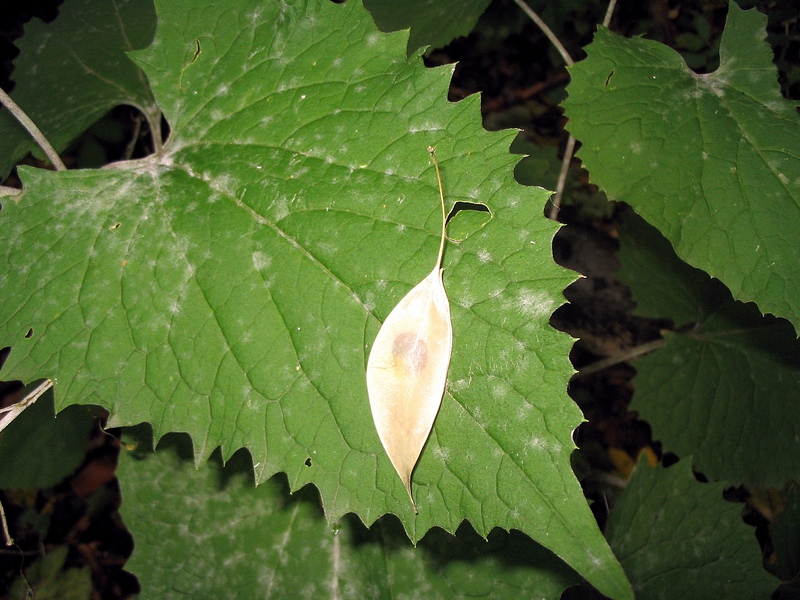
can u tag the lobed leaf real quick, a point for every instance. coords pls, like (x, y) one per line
(725, 386)
(74, 70)
(677, 538)
(713, 161)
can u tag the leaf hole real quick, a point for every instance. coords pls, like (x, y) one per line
(460, 206)
(610, 75)
(465, 218)
(308, 462)
(4, 355)
(115, 226)
(29, 334)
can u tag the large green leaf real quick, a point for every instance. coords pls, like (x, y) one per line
(227, 535)
(677, 538)
(712, 160)
(231, 286)
(72, 71)
(726, 385)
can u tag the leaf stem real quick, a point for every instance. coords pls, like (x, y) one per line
(546, 30)
(4, 526)
(562, 178)
(622, 357)
(609, 11)
(570, 149)
(33, 130)
(432, 151)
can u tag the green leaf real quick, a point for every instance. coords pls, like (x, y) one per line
(724, 387)
(72, 71)
(677, 538)
(38, 450)
(204, 533)
(712, 160)
(433, 23)
(231, 286)
(46, 579)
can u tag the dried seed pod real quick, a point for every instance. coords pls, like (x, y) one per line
(407, 366)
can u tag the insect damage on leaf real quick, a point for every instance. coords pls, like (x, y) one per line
(407, 366)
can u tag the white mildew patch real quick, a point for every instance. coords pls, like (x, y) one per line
(281, 208)
(484, 256)
(459, 385)
(535, 443)
(465, 300)
(369, 301)
(776, 106)
(442, 453)
(533, 304)
(477, 414)
(328, 249)
(523, 410)
(499, 390)
(261, 261)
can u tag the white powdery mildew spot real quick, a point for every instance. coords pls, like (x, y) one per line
(459, 385)
(465, 300)
(496, 293)
(535, 443)
(499, 390)
(534, 304)
(484, 256)
(261, 261)
(442, 453)
(281, 208)
(369, 302)
(328, 249)
(523, 411)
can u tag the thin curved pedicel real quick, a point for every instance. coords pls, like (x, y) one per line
(407, 366)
